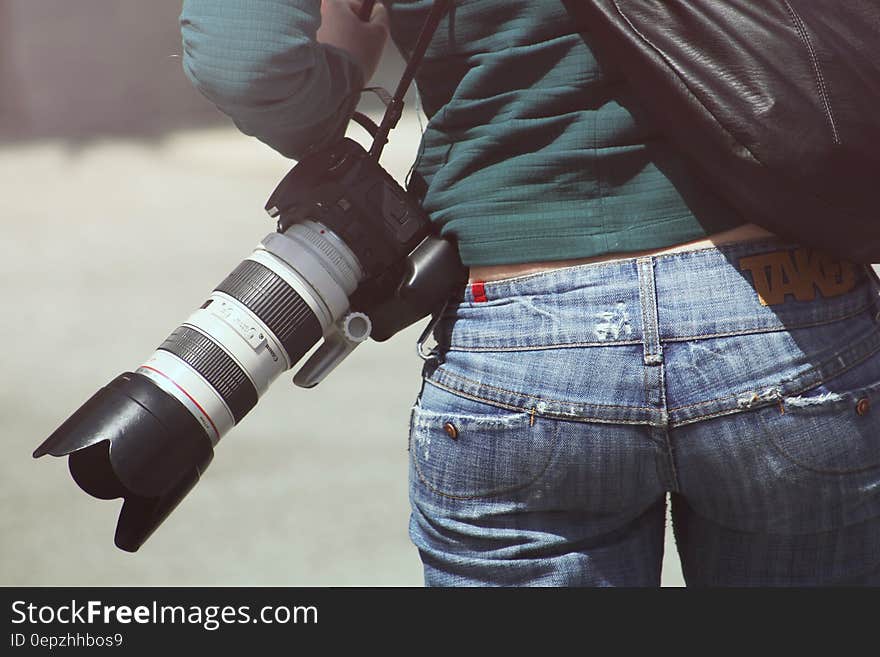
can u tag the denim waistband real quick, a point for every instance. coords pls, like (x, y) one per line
(737, 288)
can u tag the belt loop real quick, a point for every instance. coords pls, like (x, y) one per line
(653, 351)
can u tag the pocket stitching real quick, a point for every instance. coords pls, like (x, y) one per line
(794, 460)
(483, 494)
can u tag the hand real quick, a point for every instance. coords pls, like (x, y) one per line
(363, 40)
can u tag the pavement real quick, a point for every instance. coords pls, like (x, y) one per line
(111, 244)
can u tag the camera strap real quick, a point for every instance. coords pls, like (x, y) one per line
(394, 104)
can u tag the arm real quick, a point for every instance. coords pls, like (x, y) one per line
(261, 62)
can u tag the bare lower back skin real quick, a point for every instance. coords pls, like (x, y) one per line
(498, 272)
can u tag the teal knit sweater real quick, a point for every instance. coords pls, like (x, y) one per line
(535, 148)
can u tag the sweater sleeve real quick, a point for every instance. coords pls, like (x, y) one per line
(259, 62)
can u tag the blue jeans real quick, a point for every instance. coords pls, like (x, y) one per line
(563, 406)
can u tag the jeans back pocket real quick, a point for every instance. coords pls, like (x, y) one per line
(467, 449)
(832, 428)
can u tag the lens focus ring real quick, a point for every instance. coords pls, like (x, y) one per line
(208, 359)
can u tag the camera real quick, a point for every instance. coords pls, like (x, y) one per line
(353, 257)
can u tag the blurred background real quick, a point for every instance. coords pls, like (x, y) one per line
(125, 198)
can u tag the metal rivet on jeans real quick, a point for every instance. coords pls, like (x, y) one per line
(862, 406)
(450, 429)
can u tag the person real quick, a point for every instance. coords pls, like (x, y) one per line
(625, 335)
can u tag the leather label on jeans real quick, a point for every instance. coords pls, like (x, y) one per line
(798, 272)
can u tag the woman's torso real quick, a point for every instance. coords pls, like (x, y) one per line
(741, 233)
(537, 151)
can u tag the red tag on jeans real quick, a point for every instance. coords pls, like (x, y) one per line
(479, 291)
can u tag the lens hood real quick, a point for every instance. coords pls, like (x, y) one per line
(133, 440)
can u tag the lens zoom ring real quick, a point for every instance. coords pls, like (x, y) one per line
(278, 305)
(208, 359)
